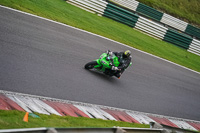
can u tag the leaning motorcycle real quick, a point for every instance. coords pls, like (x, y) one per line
(107, 63)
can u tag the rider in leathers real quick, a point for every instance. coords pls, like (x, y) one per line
(124, 60)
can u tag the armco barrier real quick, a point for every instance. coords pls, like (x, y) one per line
(83, 130)
(151, 28)
(194, 31)
(174, 22)
(177, 38)
(150, 12)
(95, 6)
(130, 4)
(121, 15)
(195, 47)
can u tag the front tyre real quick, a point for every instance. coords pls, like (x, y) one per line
(90, 65)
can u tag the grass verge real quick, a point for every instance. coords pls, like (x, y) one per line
(61, 11)
(14, 119)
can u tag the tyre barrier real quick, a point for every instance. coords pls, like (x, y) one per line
(160, 17)
(156, 27)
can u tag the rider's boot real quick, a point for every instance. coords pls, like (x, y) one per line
(118, 75)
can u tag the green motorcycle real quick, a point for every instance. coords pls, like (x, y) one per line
(105, 64)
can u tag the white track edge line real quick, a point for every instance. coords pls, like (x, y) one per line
(98, 36)
(93, 105)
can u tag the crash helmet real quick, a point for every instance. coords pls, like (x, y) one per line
(127, 53)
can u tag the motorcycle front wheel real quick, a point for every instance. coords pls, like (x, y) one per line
(90, 65)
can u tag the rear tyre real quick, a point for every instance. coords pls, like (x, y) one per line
(90, 65)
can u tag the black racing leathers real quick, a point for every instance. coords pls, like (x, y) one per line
(124, 62)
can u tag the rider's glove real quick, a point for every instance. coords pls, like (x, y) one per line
(108, 51)
(114, 68)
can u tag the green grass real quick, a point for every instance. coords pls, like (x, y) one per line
(63, 12)
(187, 10)
(14, 119)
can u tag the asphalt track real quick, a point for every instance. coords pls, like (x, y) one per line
(43, 58)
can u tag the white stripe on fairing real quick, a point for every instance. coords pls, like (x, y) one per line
(100, 36)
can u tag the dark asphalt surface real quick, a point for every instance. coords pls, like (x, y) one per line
(46, 59)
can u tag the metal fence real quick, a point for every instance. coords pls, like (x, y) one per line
(83, 130)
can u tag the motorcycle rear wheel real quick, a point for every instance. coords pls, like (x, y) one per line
(90, 65)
